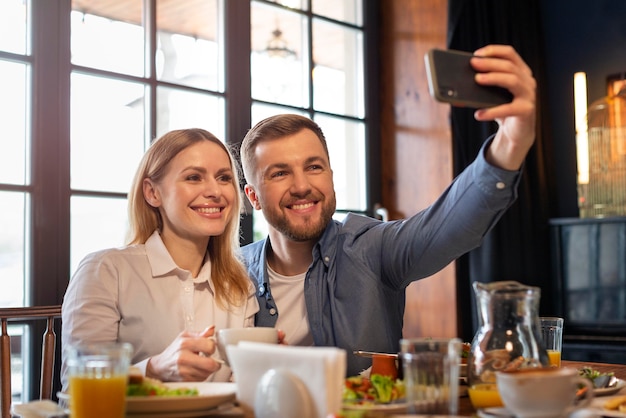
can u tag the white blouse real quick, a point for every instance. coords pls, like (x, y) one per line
(137, 294)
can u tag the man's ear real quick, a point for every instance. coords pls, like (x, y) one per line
(252, 197)
(151, 194)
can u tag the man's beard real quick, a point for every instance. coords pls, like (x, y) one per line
(312, 229)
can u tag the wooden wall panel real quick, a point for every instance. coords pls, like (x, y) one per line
(416, 146)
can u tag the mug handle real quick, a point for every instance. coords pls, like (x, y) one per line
(588, 394)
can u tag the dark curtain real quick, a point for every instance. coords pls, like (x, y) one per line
(518, 247)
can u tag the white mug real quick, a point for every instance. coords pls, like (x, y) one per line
(232, 336)
(542, 392)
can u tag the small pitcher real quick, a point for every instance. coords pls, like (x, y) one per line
(508, 337)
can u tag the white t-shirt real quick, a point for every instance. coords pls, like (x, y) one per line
(288, 292)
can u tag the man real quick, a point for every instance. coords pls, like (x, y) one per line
(342, 284)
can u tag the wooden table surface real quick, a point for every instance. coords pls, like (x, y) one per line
(466, 408)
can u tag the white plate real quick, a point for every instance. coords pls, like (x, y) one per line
(596, 408)
(383, 407)
(211, 395)
(495, 412)
(610, 391)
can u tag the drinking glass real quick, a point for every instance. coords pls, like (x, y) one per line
(552, 335)
(98, 377)
(431, 374)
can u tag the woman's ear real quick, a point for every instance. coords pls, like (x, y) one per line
(151, 194)
(252, 197)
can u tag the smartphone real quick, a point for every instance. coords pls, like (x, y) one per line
(451, 80)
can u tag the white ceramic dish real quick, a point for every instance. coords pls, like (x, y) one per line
(496, 412)
(211, 395)
(610, 391)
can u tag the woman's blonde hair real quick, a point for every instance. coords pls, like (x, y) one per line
(227, 271)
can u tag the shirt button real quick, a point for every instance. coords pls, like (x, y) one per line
(327, 259)
(500, 185)
(272, 311)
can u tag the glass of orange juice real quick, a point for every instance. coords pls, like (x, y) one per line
(484, 395)
(552, 336)
(98, 376)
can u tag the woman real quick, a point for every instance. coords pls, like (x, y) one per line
(179, 279)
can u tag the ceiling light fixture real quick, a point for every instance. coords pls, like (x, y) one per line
(277, 47)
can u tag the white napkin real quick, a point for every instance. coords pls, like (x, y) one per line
(321, 369)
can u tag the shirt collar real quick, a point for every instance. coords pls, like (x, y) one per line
(162, 263)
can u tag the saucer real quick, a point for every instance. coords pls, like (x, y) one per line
(495, 412)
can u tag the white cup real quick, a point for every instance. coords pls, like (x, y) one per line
(232, 336)
(542, 392)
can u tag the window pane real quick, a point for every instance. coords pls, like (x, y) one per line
(12, 256)
(107, 136)
(261, 111)
(188, 52)
(338, 73)
(97, 223)
(279, 62)
(346, 146)
(178, 109)
(13, 24)
(108, 36)
(19, 354)
(294, 4)
(13, 110)
(350, 11)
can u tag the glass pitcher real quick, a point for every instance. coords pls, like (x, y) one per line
(508, 337)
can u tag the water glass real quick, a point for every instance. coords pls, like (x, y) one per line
(552, 335)
(98, 377)
(431, 375)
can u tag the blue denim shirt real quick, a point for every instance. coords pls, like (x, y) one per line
(355, 286)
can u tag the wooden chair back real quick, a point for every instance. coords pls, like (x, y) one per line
(27, 314)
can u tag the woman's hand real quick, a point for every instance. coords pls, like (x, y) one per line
(187, 358)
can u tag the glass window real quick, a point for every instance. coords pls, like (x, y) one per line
(329, 87)
(279, 61)
(294, 4)
(107, 133)
(13, 102)
(13, 219)
(97, 223)
(338, 73)
(179, 109)
(345, 11)
(13, 26)
(188, 49)
(108, 36)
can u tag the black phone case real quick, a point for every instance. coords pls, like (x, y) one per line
(451, 80)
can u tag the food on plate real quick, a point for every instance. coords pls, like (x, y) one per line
(599, 380)
(375, 389)
(616, 403)
(465, 349)
(139, 385)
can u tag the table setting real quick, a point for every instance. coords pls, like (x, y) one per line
(513, 368)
